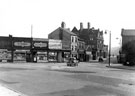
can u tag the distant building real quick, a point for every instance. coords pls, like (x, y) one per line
(93, 39)
(81, 50)
(105, 51)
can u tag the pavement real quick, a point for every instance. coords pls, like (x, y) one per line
(5, 91)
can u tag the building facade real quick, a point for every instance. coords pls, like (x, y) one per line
(81, 50)
(127, 35)
(69, 41)
(93, 39)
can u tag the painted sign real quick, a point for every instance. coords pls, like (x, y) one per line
(55, 44)
(88, 52)
(22, 44)
(40, 44)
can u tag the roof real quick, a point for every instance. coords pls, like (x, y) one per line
(128, 32)
(68, 31)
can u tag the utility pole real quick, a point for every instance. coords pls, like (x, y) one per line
(109, 47)
(31, 56)
(109, 63)
(31, 31)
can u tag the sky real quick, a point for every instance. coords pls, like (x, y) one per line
(17, 16)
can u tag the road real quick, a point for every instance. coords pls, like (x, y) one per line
(56, 79)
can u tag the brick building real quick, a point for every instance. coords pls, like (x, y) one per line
(93, 39)
(127, 35)
(69, 41)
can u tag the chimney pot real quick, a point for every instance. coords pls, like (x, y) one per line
(88, 25)
(81, 26)
(63, 25)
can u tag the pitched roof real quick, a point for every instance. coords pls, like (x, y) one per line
(68, 31)
(128, 32)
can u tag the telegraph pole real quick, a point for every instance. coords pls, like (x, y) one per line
(109, 47)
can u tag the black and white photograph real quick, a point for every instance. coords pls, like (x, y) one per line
(67, 48)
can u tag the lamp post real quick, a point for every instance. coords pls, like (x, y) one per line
(109, 47)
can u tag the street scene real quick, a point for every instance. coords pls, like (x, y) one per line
(67, 48)
(58, 79)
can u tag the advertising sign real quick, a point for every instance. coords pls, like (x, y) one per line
(55, 44)
(22, 44)
(40, 44)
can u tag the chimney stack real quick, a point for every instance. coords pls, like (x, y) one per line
(81, 26)
(63, 25)
(88, 25)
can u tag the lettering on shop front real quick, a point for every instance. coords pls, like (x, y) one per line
(22, 44)
(40, 44)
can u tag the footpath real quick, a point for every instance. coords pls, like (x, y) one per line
(4, 91)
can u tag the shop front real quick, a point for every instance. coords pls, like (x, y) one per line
(21, 48)
(5, 55)
(81, 54)
(21, 55)
(55, 50)
(5, 49)
(66, 50)
(40, 50)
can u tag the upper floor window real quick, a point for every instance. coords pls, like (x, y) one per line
(76, 39)
(72, 48)
(72, 39)
(91, 38)
(75, 48)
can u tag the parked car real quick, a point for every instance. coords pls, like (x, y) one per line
(72, 62)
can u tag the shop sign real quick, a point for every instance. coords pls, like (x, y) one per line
(88, 52)
(22, 44)
(40, 44)
(55, 44)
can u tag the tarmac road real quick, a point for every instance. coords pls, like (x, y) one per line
(56, 79)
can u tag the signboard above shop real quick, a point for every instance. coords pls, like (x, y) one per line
(40, 43)
(22, 44)
(55, 44)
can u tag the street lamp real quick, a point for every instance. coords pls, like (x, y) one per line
(109, 45)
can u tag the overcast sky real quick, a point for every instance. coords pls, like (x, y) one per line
(16, 16)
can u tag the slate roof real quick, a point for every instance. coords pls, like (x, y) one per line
(66, 30)
(128, 32)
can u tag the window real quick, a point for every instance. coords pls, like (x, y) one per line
(72, 47)
(75, 48)
(75, 39)
(91, 38)
(72, 39)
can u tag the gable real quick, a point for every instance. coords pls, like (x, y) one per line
(54, 34)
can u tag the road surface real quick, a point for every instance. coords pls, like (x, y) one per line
(56, 79)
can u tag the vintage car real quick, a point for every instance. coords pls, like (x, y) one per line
(72, 62)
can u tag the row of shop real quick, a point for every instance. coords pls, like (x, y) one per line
(16, 49)
(38, 56)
